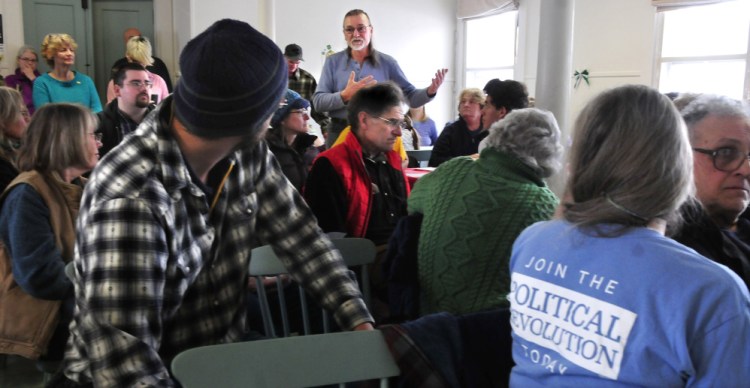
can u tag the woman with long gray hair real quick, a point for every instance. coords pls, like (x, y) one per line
(601, 296)
(474, 209)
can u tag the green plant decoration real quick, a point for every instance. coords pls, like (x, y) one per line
(327, 51)
(581, 75)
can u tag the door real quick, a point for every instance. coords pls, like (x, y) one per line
(41, 17)
(111, 19)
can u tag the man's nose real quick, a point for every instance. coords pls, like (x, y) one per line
(744, 168)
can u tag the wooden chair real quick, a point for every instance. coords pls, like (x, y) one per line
(356, 252)
(302, 361)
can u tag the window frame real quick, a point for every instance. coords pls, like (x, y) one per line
(659, 60)
(463, 32)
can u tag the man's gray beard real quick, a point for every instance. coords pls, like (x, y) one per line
(362, 47)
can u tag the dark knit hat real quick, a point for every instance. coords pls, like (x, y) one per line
(293, 101)
(232, 79)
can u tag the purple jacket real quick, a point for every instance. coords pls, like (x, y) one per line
(23, 84)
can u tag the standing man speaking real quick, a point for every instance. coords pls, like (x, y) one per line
(360, 65)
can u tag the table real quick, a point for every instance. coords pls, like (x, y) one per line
(413, 174)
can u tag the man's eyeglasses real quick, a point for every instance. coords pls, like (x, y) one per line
(301, 111)
(32, 60)
(361, 29)
(139, 84)
(725, 159)
(393, 123)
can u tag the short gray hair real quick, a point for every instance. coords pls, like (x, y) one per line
(531, 135)
(26, 48)
(705, 105)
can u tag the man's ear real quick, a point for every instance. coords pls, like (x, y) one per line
(362, 119)
(117, 90)
(503, 111)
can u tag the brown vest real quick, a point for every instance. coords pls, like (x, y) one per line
(27, 323)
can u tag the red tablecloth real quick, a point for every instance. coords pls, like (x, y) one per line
(413, 174)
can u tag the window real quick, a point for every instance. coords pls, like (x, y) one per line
(704, 49)
(490, 48)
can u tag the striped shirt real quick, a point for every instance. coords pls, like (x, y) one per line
(158, 272)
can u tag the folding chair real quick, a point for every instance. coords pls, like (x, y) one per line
(357, 253)
(302, 361)
(422, 156)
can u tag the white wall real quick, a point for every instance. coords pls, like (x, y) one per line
(613, 39)
(204, 13)
(421, 44)
(164, 38)
(12, 34)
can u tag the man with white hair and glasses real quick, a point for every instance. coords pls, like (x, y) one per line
(358, 66)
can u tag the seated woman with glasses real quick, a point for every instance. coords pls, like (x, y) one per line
(289, 140)
(138, 50)
(24, 76)
(600, 297)
(62, 83)
(37, 230)
(718, 227)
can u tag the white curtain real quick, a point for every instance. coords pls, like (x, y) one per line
(476, 8)
(668, 5)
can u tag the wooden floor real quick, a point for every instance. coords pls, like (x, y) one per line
(18, 372)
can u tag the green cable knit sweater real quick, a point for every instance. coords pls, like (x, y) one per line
(473, 212)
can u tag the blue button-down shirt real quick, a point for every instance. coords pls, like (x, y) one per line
(336, 70)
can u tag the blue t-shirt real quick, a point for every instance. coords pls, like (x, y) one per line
(80, 90)
(639, 309)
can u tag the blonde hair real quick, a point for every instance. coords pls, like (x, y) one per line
(476, 95)
(420, 109)
(53, 43)
(138, 49)
(56, 138)
(11, 106)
